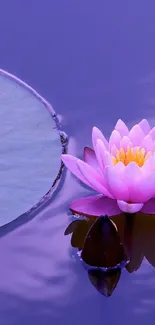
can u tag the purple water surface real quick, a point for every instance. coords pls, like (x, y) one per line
(95, 62)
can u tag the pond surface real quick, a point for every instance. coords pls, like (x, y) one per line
(94, 61)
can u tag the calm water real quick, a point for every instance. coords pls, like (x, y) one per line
(95, 62)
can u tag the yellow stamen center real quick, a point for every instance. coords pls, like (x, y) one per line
(135, 154)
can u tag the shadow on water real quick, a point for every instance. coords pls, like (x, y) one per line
(108, 245)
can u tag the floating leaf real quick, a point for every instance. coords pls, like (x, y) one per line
(30, 148)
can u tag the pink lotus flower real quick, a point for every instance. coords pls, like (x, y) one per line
(122, 171)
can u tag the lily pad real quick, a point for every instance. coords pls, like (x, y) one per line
(30, 148)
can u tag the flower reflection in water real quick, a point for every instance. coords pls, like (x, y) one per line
(102, 245)
(105, 281)
(138, 237)
(109, 245)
